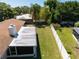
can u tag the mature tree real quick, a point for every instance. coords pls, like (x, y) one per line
(44, 13)
(35, 10)
(4, 10)
(69, 10)
(52, 4)
(18, 10)
(4, 5)
(25, 9)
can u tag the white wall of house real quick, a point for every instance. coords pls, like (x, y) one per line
(4, 56)
(24, 16)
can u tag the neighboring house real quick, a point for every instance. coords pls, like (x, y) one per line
(5, 38)
(76, 33)
(67, 23)
(25, 17)
(24, 44)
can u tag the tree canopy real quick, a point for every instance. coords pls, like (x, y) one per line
(35, 9)
(53, 10)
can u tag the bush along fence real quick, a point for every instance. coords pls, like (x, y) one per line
(62, 50)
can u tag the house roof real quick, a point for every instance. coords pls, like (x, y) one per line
(5, 38)
(24, 16)
(26, 37)
(76, 30)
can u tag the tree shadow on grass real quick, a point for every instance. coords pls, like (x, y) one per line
(41, 25)
(38, 52)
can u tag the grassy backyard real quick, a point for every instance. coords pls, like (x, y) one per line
(67, 39)
(48, 47)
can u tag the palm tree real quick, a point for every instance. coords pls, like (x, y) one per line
(35, 9)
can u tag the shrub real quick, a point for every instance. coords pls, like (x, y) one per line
(77, 24)
(48, 21)
(56, 26)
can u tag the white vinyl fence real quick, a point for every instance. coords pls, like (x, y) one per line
(62, 50)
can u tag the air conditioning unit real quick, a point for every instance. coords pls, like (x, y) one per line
(12, 30)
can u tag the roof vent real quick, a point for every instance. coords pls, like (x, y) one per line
(12, 30)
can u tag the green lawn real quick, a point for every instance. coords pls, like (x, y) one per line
(67, 39)
(47, 44)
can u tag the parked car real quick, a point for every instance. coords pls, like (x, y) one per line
(67, 23)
